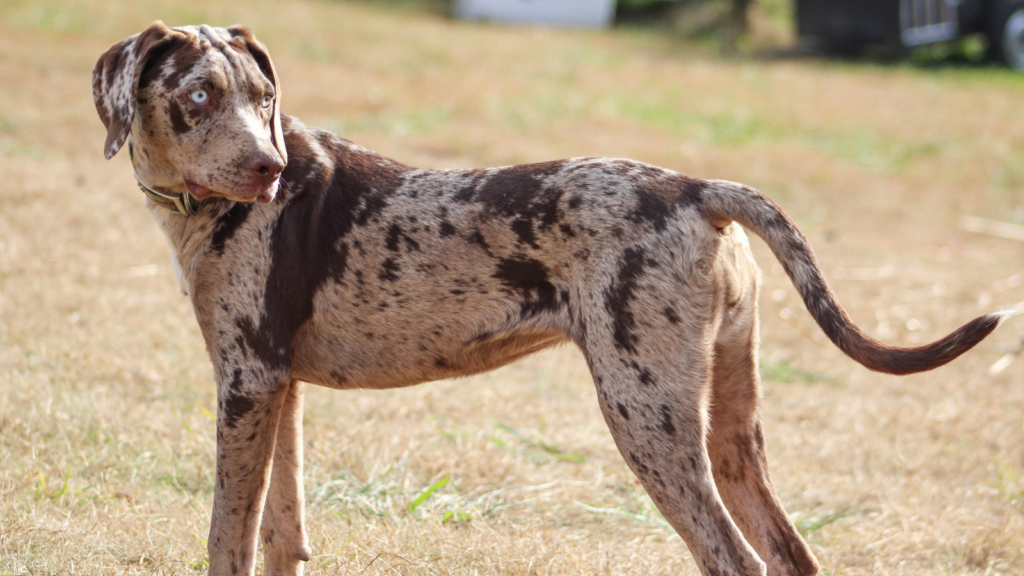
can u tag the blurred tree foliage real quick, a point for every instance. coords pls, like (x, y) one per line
(728, 22)
(736, 25)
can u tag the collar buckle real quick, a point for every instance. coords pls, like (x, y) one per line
(184, 204)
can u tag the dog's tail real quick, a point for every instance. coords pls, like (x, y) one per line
(723, 202)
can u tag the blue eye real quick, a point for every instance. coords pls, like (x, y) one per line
(199, 97)
(267, 101)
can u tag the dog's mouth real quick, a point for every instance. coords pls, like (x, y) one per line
(264, 194)
(198, 190)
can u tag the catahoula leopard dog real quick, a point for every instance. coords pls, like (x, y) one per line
(308, 258)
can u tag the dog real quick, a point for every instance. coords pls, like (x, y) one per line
(308, 258)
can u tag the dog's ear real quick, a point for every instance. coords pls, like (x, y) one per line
(115, 80)
(262, 57)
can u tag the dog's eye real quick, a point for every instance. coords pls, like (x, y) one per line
(267, 101)
(199, 97)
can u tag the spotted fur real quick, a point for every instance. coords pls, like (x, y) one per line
(361, 272)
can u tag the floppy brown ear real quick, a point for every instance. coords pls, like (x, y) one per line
(262, 57)
(115, 81)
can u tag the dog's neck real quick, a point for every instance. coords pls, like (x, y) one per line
(182, 203)
(184, 246)
(186, 234)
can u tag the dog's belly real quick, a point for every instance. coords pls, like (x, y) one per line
(410, 356)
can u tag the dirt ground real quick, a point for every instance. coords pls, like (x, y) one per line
(106, 394)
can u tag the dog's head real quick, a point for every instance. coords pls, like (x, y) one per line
(202, 105)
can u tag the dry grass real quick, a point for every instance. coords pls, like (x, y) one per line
(106, 433)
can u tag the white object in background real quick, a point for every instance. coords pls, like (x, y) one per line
(567, 13)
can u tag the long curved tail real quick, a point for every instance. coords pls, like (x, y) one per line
(723, 202)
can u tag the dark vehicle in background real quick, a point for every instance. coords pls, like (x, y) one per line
(851, 26)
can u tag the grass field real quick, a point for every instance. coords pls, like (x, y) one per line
(106, 394)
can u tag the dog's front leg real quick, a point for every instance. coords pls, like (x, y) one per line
(285, 546)
(249, 404)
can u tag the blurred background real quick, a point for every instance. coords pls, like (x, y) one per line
(965, 30)
(890, 131)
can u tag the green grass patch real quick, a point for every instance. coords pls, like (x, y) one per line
(538, 449)
(57, 494)
(738, 127)
(1008, 481)
(810, 524)
(415, 123)
(426, 493)
(788, 371)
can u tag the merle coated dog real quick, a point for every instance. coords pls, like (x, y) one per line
(356, 271)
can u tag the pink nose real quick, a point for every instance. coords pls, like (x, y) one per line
(265, 167)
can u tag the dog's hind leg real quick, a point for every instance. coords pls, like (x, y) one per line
(285, 546)
(736, 443)
(653, 390)
(658, 422)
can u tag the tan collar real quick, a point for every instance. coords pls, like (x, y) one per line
(184, 204)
